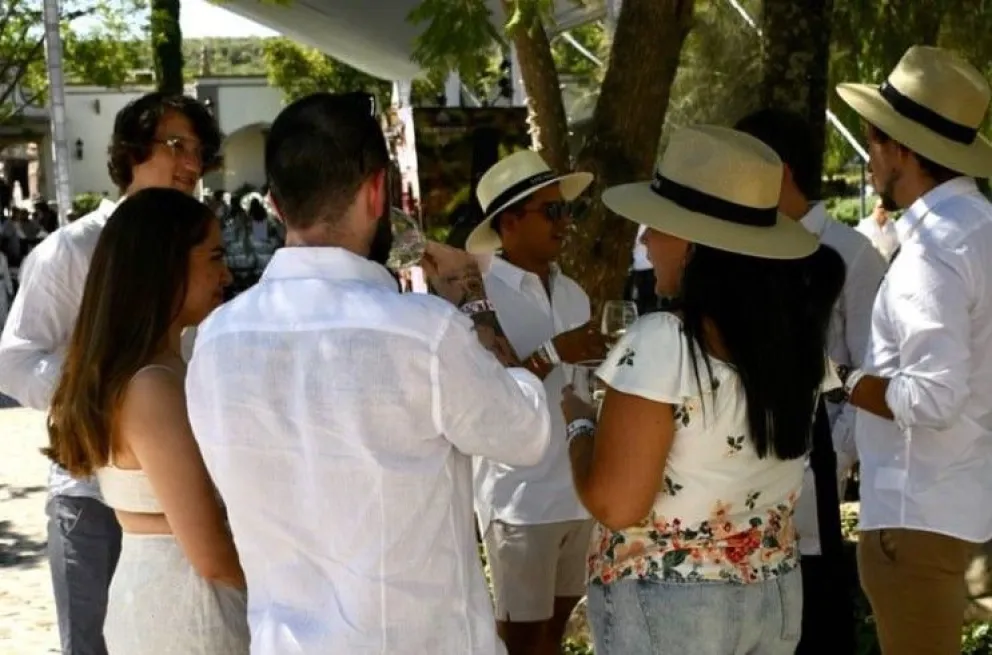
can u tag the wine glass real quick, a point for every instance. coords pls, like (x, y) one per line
(587, 384)
(618, 315)
(409, 243)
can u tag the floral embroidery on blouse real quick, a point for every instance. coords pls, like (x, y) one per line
(723, 514)
(735, 445)
(717, 549)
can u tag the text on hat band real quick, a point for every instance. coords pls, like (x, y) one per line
(515, 190)
(928, 118)
(703, 203)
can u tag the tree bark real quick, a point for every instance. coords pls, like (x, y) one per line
(624, 136)
(795, 62)
(549, 124)
(167, 42)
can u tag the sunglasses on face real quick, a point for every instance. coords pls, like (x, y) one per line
(553, 211)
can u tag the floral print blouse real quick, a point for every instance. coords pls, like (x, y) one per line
(723, 514)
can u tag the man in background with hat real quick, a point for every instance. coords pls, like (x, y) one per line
(825, 621)
(535, 530)
(924, 434)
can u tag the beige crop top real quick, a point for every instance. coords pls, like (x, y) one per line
(129, 490)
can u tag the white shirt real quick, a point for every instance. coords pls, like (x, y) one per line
(931, 468)
(41, 321)
(723, 514)
(847, 339)
(542, 493)
(337, 418)
(885, 238)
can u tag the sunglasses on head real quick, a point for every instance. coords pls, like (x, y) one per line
(358, 101)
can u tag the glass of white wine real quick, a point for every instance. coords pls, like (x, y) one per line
(618, 315)
(409, 242)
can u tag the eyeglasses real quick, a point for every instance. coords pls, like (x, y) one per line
(553, 211)
(181, 147)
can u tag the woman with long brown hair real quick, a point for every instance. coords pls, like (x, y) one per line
(120, 412)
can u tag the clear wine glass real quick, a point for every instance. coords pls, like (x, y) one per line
(618, 315)
(586, 384)
(409, 243)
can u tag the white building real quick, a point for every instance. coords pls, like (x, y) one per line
(244, 107)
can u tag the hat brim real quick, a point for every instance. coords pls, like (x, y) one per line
(637, 202)
(484, 239)
(972, 159)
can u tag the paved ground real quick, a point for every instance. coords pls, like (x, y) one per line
(27, 614)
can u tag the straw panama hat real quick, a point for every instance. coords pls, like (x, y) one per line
(511, 179)
(719, 188)
(933, 103)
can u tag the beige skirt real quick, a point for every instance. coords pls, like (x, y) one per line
(159, 605)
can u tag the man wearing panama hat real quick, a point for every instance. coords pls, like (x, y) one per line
(924, 432)
(534, 528)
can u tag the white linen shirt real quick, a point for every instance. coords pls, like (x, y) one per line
(847, 339)
(931, 468)
(337, 418)
(40, 324)
(542, 493)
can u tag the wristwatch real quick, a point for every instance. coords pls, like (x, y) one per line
(849, 378)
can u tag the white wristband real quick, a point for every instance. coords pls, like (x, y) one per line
(477, 307)
(580, 427)
(852, 380)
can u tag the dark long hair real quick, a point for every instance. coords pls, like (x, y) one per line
(134, 291)
(771, 317)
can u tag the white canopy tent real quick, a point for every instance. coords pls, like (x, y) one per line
(374, 35)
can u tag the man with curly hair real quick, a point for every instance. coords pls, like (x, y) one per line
(158, 141)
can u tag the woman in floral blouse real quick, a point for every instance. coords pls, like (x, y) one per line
(694, 467)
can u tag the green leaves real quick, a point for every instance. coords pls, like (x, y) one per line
(457, 36)
(300, 70)
(99, 48)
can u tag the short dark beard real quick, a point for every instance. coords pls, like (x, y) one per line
(887, 195)
(382, 240)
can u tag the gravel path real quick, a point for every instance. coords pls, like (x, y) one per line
(27, 612)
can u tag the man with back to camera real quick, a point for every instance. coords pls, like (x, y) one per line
(535, 530)
(158, 141)
(337, 416)
(791, 137)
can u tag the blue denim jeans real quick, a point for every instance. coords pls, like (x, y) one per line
(637, 617)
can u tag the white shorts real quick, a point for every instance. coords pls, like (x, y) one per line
(531, 565)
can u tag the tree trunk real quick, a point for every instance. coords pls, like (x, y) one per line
(167, 42)
(549, 125)
(624, 136)
(795, 61)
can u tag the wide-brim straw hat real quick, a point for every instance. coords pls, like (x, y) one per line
(716, 187)
(510, 180)
(933, 103)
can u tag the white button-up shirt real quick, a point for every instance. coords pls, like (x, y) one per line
(337, 418)
(931, 468)
(542, 493)
(847, 339)
(41, 321)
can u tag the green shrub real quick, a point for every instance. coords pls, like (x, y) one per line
(85, 203)
(848, 209)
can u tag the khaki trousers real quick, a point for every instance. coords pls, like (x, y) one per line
(914, 581)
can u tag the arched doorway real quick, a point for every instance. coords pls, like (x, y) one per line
(244, 159)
